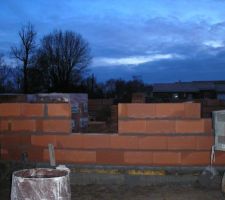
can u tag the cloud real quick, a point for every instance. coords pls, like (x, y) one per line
(155, 38)
(202, 66)
(133, 60)
(214, 44)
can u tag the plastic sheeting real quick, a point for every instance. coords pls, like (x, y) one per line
(41, 184)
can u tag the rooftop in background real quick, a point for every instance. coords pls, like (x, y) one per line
(194, 86)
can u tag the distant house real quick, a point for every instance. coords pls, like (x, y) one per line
(182, 91)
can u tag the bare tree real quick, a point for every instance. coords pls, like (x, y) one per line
(63, 57)
(24, 51)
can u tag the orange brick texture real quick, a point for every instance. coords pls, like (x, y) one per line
(59, 110)
(160, 110)
(153, 136)
(35, 118)
(170, 150)
(165, 126)
(114, 149)
(13, 146)
(162, 118)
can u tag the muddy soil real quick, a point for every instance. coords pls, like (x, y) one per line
(97, 192)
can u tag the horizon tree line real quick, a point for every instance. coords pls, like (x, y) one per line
(58, 63)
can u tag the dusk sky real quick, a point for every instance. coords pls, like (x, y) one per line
(158, 40)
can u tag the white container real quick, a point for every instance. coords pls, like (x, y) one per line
(41, 184)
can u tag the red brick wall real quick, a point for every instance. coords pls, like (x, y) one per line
(114, 149)
(160, 110)
(150, 135)
(35, 118)
(165, 126)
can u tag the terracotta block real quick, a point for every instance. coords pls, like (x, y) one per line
(160, 126)
(4, 154)
(166, 158)
(220, 158)
(199, 158)
(59, 110)
(10, 109)
(57, 126)
(24, 125)
(5, 125)
(18, 125)
(153, 142)
(12, 154)
(32, 109)
(138, 158)
(208, 125)
(123, 142)
(43, 140)
(39, 125)
(192, 110)
(109, 157)
(182, 142)
(139, 110)
(122, 110)
(96, 141)
(46, 157)
(69, 141)
(72, 156)
(205, 142)
(15, 140)
(190, 126)
(35, 154)
(132, 126)
(169, 110)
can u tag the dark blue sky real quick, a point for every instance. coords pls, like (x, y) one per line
(159, 40)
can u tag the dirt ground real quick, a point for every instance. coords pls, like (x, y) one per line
(97, 192)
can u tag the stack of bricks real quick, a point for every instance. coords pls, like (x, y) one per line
(142, 150)
(179, 118)
(18, 121)
(171, 134)
(149, 135)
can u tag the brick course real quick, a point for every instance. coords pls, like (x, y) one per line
(59, 110)
(32, 110)
(163, 135)
(57, 126)
(10, 109)
(159, 110)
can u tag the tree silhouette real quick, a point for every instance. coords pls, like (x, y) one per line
(24, 51)
(62, 59)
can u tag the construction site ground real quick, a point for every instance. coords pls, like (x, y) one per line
(90, 185)
(167, 192)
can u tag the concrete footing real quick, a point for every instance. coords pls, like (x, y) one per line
(127, 175)
(131, 180)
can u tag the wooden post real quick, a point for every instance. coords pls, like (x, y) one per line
(51, 155)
